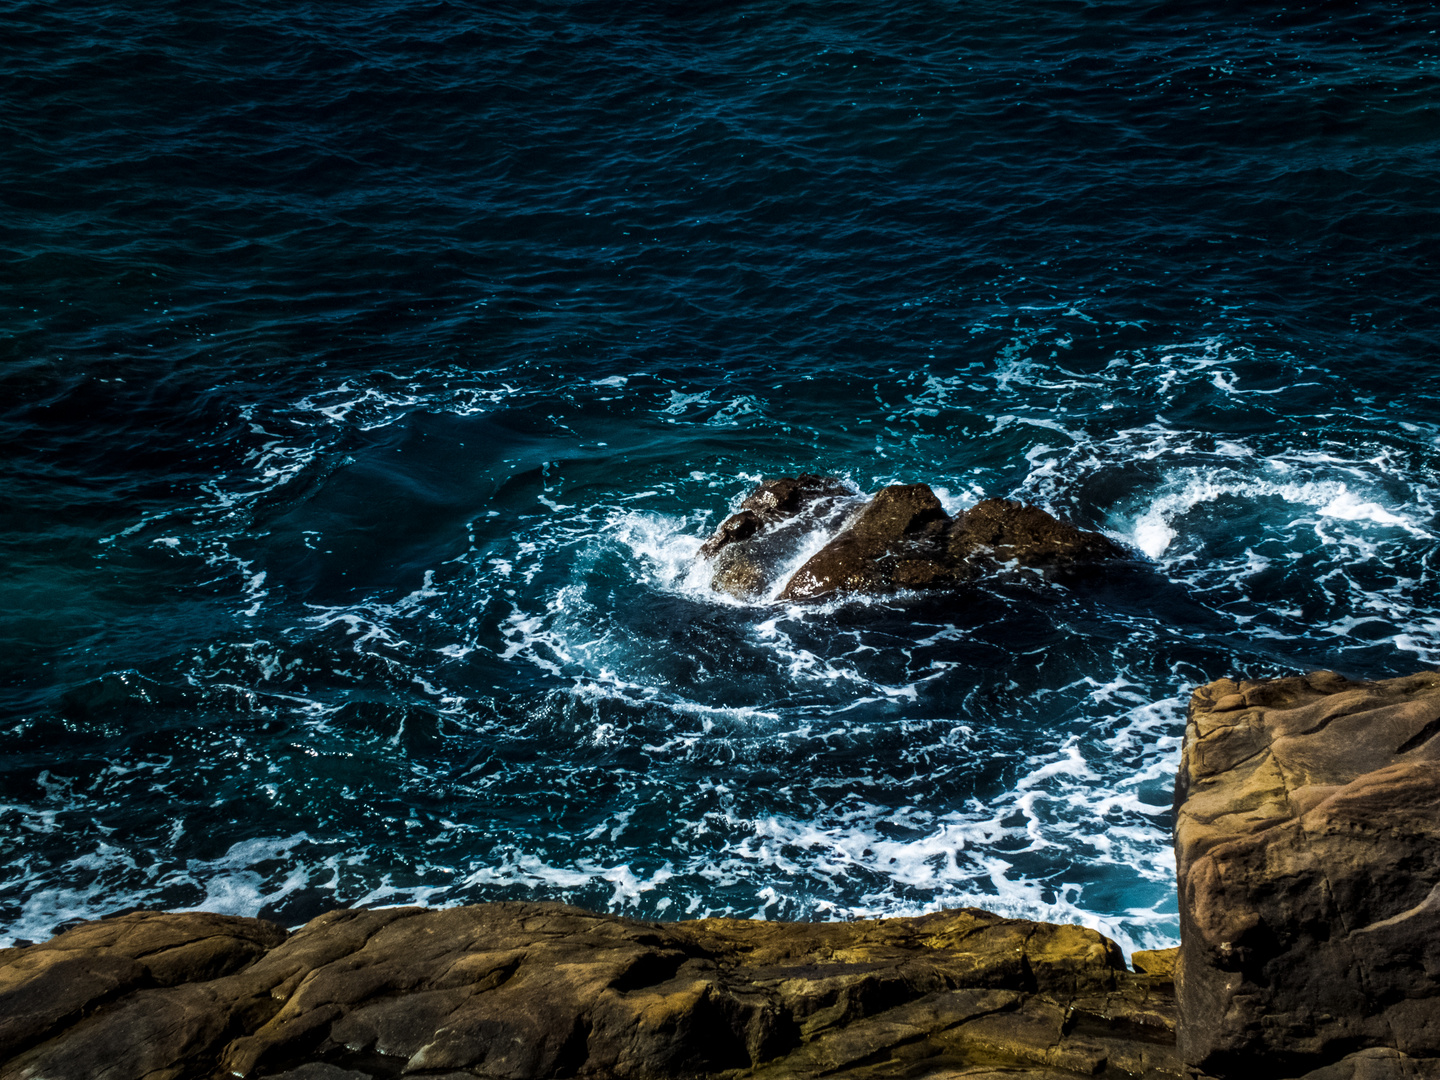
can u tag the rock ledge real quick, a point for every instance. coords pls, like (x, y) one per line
(542, 990)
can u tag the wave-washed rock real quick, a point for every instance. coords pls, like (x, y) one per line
(1307, 846)
(900, 539)
(521, 990)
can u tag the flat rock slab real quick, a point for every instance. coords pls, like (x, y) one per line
(1307, 846)
(543, 990)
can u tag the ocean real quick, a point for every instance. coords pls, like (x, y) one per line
(371, 373)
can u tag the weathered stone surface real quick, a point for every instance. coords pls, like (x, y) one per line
(899, 540)
(47, 986)
(542, 990)
(1307, 846)
(1160, 962)
(1378, 1064)
(896, 540)
(787, 496)
(903, 539)
(1308, 853)
(1008, 531)
(318, 1070)
(751, 548)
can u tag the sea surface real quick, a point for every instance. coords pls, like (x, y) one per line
(370, 374)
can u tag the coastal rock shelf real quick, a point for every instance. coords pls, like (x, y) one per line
(522, 990)
(901, 539)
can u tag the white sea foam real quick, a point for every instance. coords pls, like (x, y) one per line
(1154, 529)
(847, 769)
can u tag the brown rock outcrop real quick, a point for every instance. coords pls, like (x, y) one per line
(1008, 531)
(752, 547)
(901, 539)
(1308, 857)
(896, 540)
(1307, 845)
(542, 990)
(45, 988)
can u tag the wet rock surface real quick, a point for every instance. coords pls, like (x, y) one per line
(900, 539)
(752, 547)
(1007, 531)
(896, 540)
(543, 990)
(1307, 846)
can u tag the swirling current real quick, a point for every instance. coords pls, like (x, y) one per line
(371, 374)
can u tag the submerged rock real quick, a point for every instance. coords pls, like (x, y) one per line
(1307, 849)
(900, 539)
(524, 991)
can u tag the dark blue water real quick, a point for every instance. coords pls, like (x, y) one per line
(370, 374)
